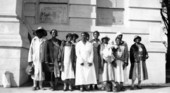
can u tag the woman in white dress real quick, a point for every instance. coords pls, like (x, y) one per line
(68, 71)
(108, 58)
(85, 71)
(36, 56)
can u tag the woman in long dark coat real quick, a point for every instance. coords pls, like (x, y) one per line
(53, 53)
(138, 56)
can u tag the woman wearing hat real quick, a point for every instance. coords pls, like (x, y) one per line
(67, 74)
(85, 71)
(36, 56)
(108, 75)
(121, 61)
(97, 59)
(53, 58)
(138, 56)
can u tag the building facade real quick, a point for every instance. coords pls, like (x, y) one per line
(18, 19)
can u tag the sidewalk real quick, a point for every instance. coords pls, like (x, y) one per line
(145, 89)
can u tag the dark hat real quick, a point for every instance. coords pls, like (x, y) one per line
(137, 37)
(107, 38)
(68, 35)
(85, 33)
(96, 32)
(53, 30)
(41, 30)
(75, 35)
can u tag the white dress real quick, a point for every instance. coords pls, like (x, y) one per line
(85, 74)
(107, 57)
(68, 72)
(34, 56)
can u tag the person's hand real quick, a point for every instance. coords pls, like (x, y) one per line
(82, 64)
(62, 68)
(125, 65)
(90, 64)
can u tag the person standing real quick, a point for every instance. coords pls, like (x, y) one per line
(85, 70)
(67, 74)
(53, 58)
(36, 56)
(108, 75)
(138, 56)
(121, 56)
(97, 59)
(74, 42)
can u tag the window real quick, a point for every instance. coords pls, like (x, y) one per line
(110, 12)
(53, 11)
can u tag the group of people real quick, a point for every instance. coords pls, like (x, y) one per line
(86, 63)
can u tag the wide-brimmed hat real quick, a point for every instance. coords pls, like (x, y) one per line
(41, 30)
(107, 38)
(137, 37)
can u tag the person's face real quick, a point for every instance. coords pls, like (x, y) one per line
(69, 38)
(118, 41)
(83, 37)
(120, 37)
(137, 40)
(74, 38)
(54, 34)
(95, 35)
(39, 34)
(105, 41)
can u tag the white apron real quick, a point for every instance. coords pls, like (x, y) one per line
(68, 72)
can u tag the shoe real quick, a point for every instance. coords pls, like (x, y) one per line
(37, 88)
(81, 89)
(34, 88)
(123, 88)
(70, 88)
(114, 89)
(65, 87)
(132, 88)
(139, 87)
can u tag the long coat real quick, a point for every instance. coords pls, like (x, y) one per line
(37, 56)
(85, 74)
(134, 52)
(97, 57)
(53, 55)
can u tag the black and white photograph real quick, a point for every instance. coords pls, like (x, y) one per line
(84, 46)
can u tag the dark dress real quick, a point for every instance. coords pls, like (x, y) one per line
(138, 56)
(97, 57)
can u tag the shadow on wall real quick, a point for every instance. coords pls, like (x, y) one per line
(8, 79)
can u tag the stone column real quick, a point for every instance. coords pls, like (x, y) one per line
(14, 43)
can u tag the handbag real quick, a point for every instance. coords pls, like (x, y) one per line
(30, 69)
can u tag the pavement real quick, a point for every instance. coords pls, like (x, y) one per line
(145, 89)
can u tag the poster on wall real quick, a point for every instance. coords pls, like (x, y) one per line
(53, 13)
